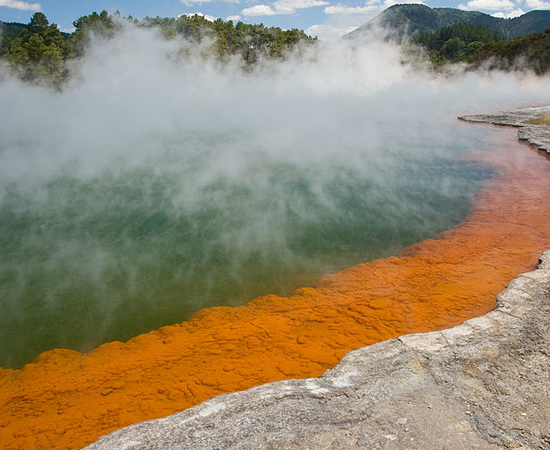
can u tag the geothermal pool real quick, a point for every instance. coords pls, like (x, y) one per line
(87, 259)
(66, 399)
(153, 187)
(150, 188)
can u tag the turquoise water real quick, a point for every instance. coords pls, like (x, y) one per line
(106, 257)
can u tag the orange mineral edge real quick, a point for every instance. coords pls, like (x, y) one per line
(66, 400)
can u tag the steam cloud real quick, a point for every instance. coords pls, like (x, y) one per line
(157, 183)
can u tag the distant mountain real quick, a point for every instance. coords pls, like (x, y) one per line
(414, 19)
(11, 29)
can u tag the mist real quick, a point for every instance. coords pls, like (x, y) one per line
(159, 182)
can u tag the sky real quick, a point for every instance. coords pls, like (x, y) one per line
(323, 18)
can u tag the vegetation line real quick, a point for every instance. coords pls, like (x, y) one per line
(40, 53)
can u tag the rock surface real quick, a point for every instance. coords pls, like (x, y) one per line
(533, 123)
(484, 384)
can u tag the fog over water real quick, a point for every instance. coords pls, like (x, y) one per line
(156, 184)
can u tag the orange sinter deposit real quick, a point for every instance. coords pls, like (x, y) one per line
(65, 399)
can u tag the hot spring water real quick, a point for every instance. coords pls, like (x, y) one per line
(86, 261)
(153, 187)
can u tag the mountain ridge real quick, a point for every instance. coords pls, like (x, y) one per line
(413, 19)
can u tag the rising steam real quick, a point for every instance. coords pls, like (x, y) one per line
(159, 182)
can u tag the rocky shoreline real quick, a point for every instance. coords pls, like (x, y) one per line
(483, 384)
(533, 124)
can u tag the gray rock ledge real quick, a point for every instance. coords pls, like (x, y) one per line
(484, 384)
(537, 134)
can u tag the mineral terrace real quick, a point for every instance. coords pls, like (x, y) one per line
(484, 384)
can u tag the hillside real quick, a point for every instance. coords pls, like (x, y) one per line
(413, 19)
(527, 52)
(11, 29)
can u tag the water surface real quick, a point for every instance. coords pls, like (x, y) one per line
(86, 260)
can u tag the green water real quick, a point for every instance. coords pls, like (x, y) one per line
(107, 257)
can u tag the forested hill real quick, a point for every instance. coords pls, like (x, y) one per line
(415, 19)
(39, 51)
(531, 52)
(11, 29)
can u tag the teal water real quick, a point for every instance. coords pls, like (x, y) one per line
(107, 257)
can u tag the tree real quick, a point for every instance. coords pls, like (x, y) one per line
(473, 47)
(38, 23)
(456, 42)
(39, 52)
(453, 48)
(35, 48)
(527, 52)
(101, 24)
